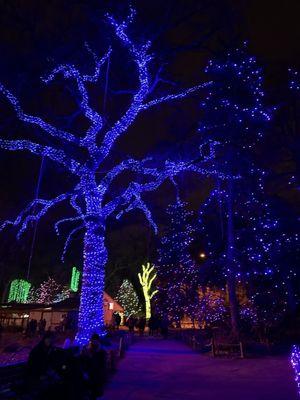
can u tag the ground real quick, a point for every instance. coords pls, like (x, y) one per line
(168, 369)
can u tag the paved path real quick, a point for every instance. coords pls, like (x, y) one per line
(169, 370)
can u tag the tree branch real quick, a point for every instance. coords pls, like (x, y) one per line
(45, 126)
(130, 198)
(174, 96)
(56, 155)
(68, 241)
(129, 164)
(62, 221)
(23, 220)
(142, 59)
(71, 72)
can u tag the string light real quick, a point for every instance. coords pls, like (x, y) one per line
(210, 308)
(47, 293)
(19, 290)
(146, 278)
(178, 277)
(89, 196)
(235, 119)
(74, 285)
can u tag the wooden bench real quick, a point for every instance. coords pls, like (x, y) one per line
(225, 348)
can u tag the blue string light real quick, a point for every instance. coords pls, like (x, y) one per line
(235, 119)
(295, 361)
(88, 197)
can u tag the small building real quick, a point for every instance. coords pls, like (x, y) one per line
(17, 315)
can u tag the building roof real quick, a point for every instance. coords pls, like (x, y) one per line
(69, 304)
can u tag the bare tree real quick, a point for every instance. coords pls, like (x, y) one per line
(90, 196)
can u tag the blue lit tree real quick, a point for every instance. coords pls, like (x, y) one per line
(178, 279)
(235, 120)
(84, 156)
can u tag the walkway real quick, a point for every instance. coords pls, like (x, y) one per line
(168, 370)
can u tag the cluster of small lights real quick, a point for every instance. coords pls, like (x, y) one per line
(47, 293)
(235, 118)
(295, 361)
(18, 291)
(248, 312)
(128, 299)
(237, 75)
(294, 79)
(260, 240)
(211, 308)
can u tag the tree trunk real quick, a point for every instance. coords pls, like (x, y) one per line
(231, 266)
(147, 303)
(91, 312)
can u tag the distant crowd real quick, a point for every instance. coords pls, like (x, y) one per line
(33, 327)
(155, 324)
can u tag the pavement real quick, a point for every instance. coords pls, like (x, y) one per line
(154, 368)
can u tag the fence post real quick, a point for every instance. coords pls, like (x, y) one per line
(241, 350)
(213, 347)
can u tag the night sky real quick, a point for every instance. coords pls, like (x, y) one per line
(36, 35)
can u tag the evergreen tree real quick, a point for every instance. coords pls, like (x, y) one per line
(234, 121)
(128, 298)
(176, 270)
(48, 292)
(244, 234)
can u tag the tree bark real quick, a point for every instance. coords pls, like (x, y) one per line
(91, 311)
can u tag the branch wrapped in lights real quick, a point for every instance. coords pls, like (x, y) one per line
(88, 197)
(295, 361)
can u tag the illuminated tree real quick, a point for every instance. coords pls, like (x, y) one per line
(19, 290)
(146, 278)
(234, 122)
(47, 292)
(178, 278)
(75, 277)
(128, 299)
(87, 155)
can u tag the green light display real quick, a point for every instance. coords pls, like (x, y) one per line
(19, 290)
(75, 279)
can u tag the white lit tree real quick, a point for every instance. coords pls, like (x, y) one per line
(47, 292)
(128, 298)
